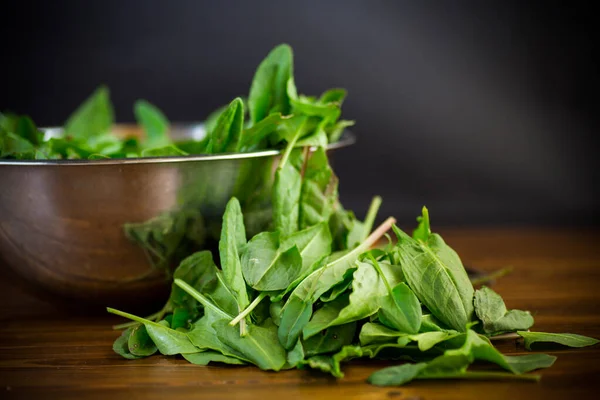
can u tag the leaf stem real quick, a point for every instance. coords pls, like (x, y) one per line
(290, 147)
(491, 276)
(377, 233)
(132, 323)
(130, 316)
(248, 309)
(201, 299)
(371, 214)
(505, 336)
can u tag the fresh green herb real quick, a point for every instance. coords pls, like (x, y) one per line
(565, 339)
(491, 310)
(206, 357)
(154, 124)
(302, 276)
(436, 275)
(94, 117)
(273, 106)
(268, 93)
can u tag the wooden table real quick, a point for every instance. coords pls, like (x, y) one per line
(556, 276)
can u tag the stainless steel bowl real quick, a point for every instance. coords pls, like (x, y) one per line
(63, 223)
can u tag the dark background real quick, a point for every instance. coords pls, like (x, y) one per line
(487, 114)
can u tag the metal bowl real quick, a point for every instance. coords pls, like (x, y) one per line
(66, 226)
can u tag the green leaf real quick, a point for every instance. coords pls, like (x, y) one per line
(268, 92)
(226, 136)
(303, 105)
(164, 151)
(453, 364)
(15, 146)
(367, 289)
(140, 343)
(200, 272)
(181, 318)
(335, 131)
(8, 122)
(105, 144)
(254, 137)
(401, 310)
(296, 355)
(120, 346)
(332, 364)
(260, 346)
(294, 317)
(323, 279)
(313, 243)
(319, 190)
(154, 124)
(491, 310)
(397, 375)
(401, 374)
(566, 339)
(316, 139)
(231, 245)
(286, 199)
(267, 266)
(371, 333)
(375, 333)
(204, 336)
(429, 323)
(27, 130)
(206, 357)
(193, 146)
(339, 288)
(288, 183)
(167, 340)
(437, 277)
(330, 340)
(94, 117)
(477, 347)
(334, 95)
(211, 120)
(275, 312)
(423, 230)
(428, 340)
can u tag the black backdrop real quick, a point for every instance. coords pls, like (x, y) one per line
(487, 114)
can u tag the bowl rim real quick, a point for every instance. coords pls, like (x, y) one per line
(348, 138)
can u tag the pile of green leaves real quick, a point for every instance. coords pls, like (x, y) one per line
(315, 291)
(266, 120)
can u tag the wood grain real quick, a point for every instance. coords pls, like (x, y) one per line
(556, 275)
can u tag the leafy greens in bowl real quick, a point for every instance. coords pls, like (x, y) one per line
(103, 212)
(272, 113)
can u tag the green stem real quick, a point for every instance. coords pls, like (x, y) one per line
(505, 336)
(371, 214)
(491, 276)
(201, 299)
(290, 147)
(133, 323)
(248, 309)
(369, 241)
(132, 317)
(377, 234)
(243, 328)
